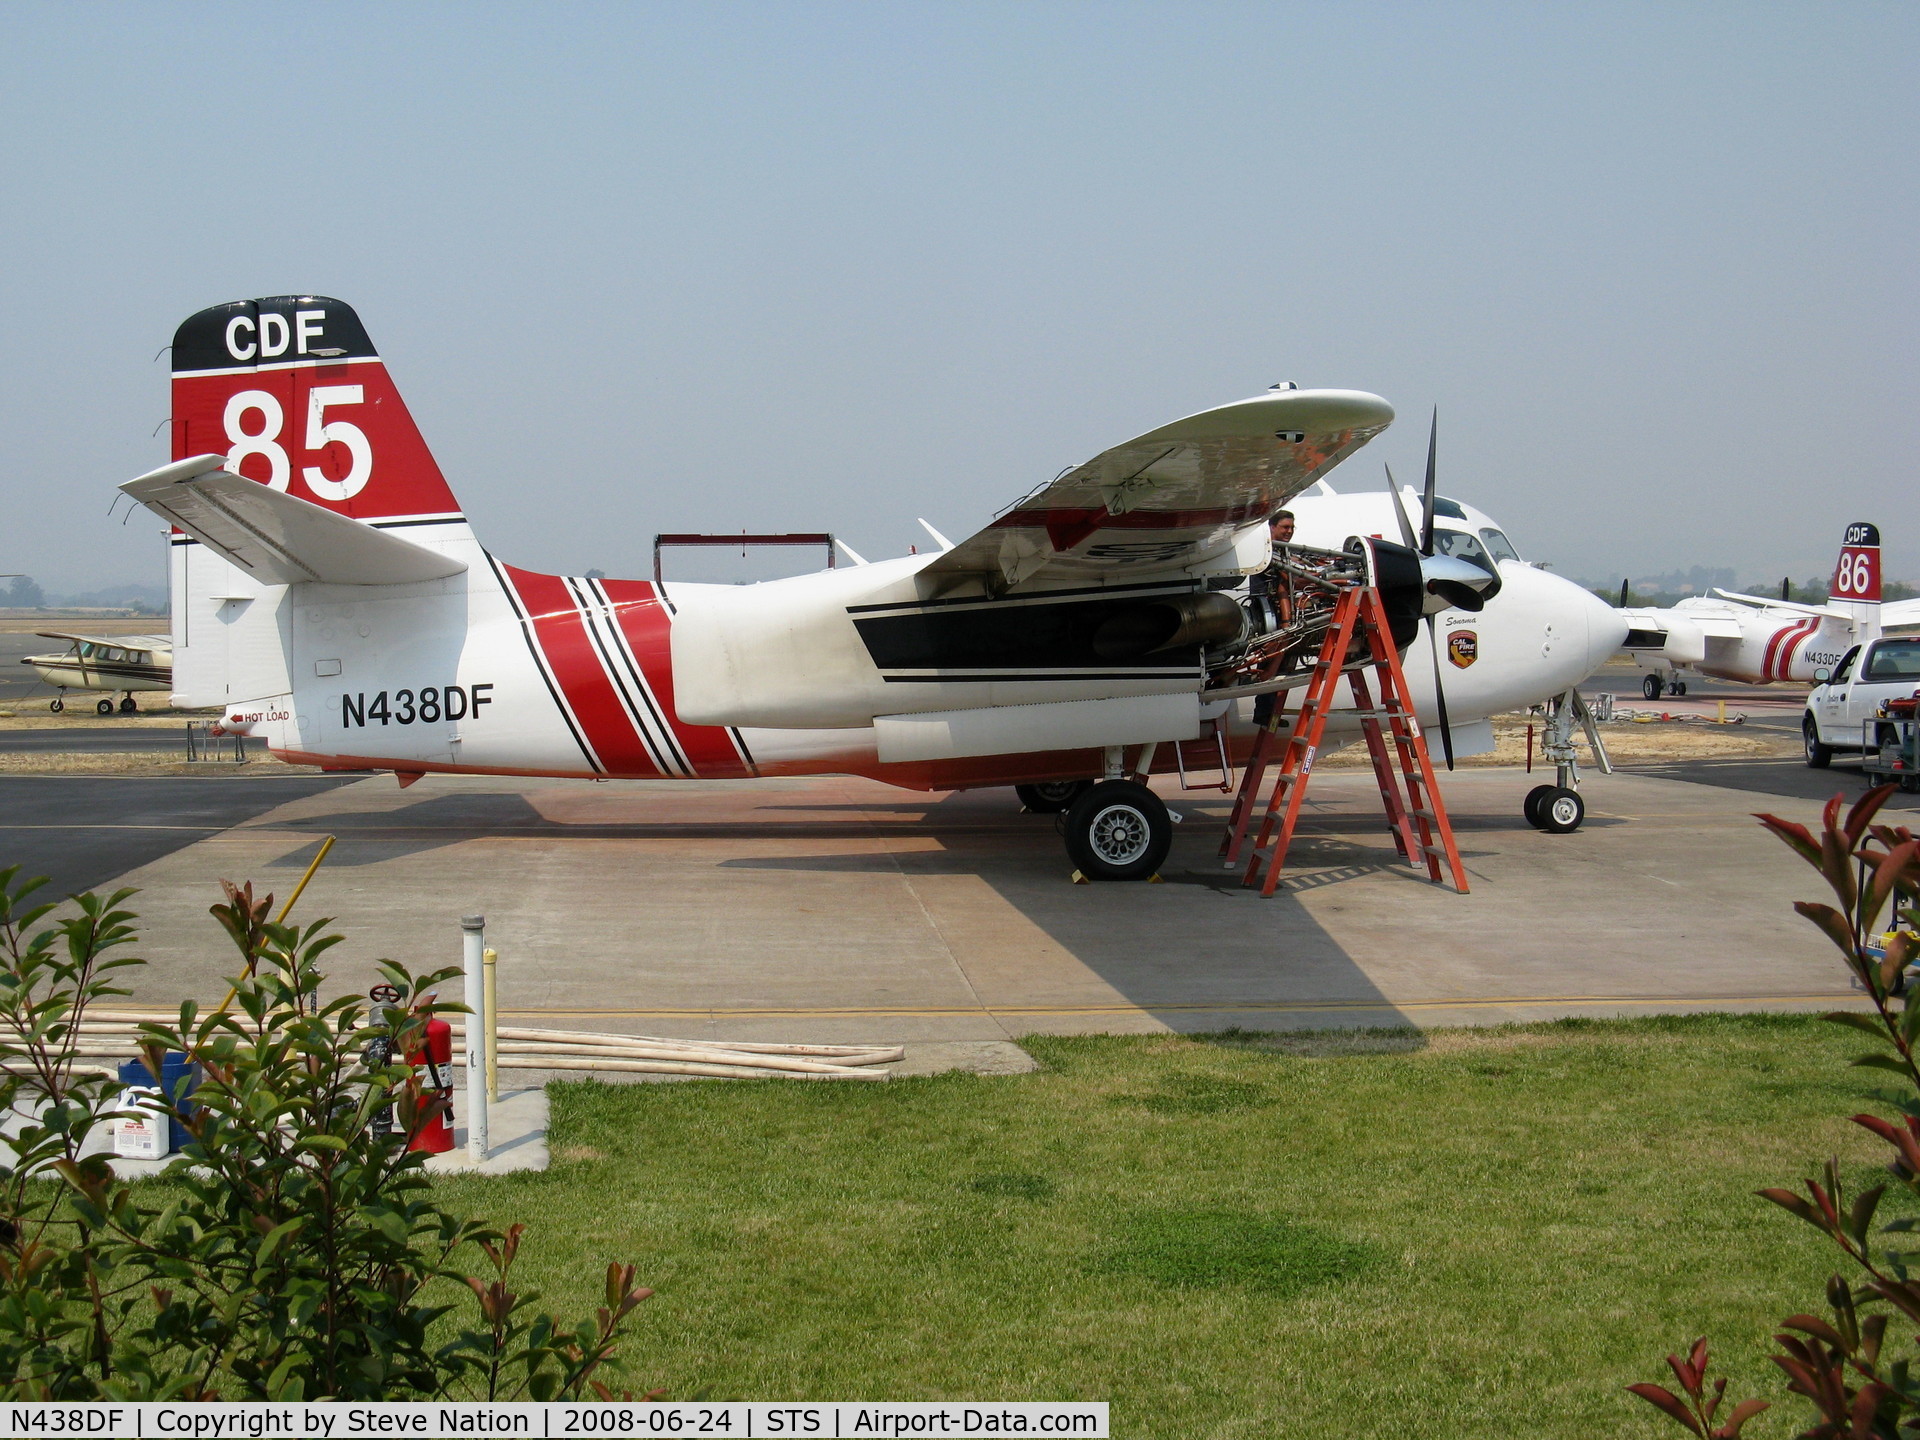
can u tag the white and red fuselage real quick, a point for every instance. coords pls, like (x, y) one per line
(905, 670)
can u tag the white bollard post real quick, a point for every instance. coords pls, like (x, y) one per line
(473, 937)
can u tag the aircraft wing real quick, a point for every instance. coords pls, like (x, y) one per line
(1173, 498)
(131, 642)
(278, 538)
(1899, 612)
(1793, 605)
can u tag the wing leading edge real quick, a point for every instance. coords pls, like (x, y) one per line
(1172, 499)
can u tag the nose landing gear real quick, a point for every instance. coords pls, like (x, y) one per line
(1558, 809)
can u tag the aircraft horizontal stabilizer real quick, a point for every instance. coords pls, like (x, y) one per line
(277, 538)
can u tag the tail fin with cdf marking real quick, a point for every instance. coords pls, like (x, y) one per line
(292, 392)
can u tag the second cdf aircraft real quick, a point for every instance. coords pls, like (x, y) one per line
(1750, 638)
(329, 593)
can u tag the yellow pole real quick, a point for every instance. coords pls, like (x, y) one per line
(1723, 712)
(325, 846)
(491, 1019)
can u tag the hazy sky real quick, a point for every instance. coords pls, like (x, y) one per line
(705, 267)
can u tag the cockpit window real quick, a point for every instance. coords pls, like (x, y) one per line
(1462, 546)
(1501, 547)
(1894, 660)
(1449, 508)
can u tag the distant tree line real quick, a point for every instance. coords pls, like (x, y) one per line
(22, 592)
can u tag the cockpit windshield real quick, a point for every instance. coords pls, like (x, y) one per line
(1498, 543)
(1463, 546)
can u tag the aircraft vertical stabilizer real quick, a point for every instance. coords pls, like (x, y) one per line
(1856, 581)
(287, 391)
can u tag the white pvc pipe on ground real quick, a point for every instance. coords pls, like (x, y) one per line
(473, 938)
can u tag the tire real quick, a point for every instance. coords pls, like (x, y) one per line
(1533, 806)
(57, 706)
(1118, 830)
(105, 707)
(1562, 811)
(1050, 797)
(1651, 687)
(127, 707)
(1819, 756)
(1679, 687)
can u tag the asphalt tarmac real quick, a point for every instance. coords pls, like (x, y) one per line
(82, 831)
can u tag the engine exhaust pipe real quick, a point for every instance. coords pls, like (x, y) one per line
(1174, 622)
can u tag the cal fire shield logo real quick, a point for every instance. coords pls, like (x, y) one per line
(1463, 648)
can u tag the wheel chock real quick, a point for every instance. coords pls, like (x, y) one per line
(1156, 878)
(1079, 879)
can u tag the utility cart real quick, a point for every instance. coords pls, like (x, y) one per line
(1888, 750)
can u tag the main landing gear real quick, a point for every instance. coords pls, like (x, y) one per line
(1050, 797)
(1557, 808)
(58, 705)
(1117, 830)
(1653, 687)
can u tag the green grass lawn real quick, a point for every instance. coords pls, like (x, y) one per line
(1465, 1233)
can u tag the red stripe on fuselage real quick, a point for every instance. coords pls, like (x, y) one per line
(561, 632)
(1808, 628)
(709, 749)
(1780, 647)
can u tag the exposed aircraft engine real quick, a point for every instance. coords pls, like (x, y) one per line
(1284, 629)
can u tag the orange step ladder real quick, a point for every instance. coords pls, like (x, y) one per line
(1416, 816)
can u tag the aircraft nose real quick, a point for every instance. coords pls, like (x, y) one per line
(1606, 627)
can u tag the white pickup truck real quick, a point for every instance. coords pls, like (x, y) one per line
(1841, 703)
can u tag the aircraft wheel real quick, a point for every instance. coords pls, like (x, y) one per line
(57, 706)
(1118, 830)
(105, 707)
(1819, 756)
(127, 707)
(1679, 688)
(1533, 806)
(1561, 811)
(1651, 687)
(1050, 797)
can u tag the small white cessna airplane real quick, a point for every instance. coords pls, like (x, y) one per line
(105, 662)
(1755, 640)
(330, 595)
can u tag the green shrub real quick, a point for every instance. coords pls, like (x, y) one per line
(299, 1252)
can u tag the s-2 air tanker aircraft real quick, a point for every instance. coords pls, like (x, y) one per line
(330, 595)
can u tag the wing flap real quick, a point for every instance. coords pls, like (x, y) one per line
(279, 539)
(1175, 498)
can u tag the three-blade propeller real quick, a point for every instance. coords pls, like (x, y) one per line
(1451, 583)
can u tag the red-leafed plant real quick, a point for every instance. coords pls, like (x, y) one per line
(1858, 1386)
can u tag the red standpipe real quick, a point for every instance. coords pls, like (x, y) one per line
(436, 1058)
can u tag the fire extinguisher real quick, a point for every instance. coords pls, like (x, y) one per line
(436, 1058)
